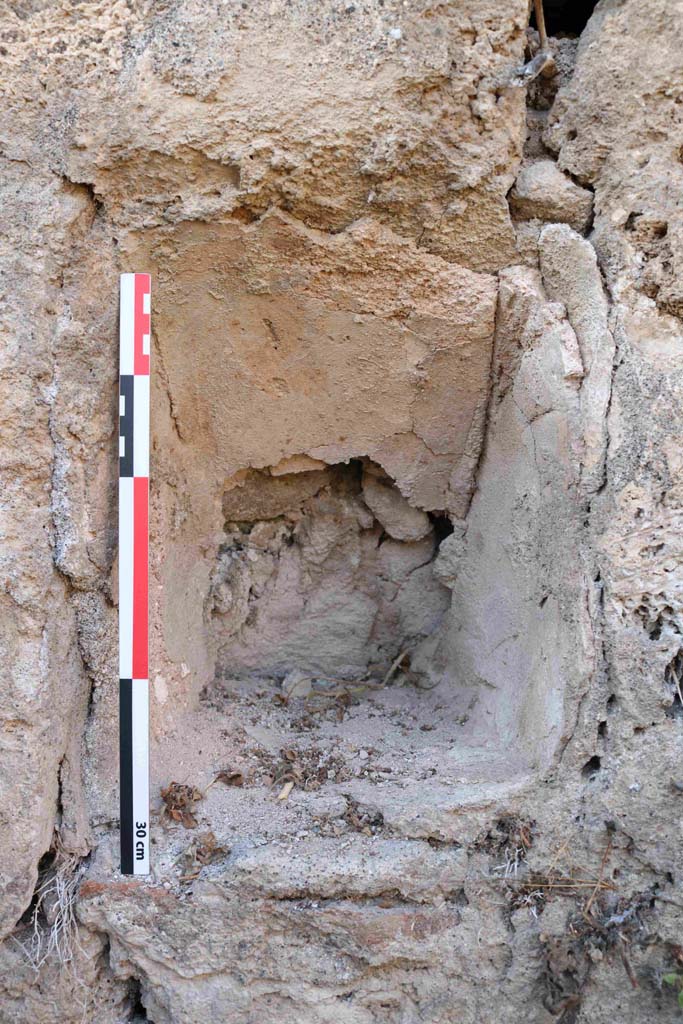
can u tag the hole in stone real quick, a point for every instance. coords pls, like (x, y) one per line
(673, 676)
(443, 527)
(138, 1013)
(656, 620)
(566, 17)
(460, 899)
(602, 728)
(45, 865)
(591, 767)
(612, 702)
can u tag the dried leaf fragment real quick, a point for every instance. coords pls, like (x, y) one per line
(179, 801)
(207, 848)
(234, 778)
(186, 818)
(203, 849)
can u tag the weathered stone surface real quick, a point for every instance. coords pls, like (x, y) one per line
(457, 750)
(539, 621)
(45, 693)
(571, 275)
(227, 112)
(543, 192)
(84, 988)
(637, 183)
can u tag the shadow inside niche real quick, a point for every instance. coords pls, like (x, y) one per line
(329, 571)
(138, 1013)
(566, 17)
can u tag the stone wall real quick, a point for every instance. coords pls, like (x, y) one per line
(415, 556)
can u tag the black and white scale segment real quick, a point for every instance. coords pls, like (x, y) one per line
(135, 330)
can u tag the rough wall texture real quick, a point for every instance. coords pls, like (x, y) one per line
(416, 518)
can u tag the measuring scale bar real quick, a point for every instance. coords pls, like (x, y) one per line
(135, 331)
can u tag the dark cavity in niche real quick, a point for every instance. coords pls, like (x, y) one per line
(566, 17)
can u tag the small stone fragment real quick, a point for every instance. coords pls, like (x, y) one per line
(543, 192)
(297, 464)
(399, 519)
(451, 551)
(296, 684)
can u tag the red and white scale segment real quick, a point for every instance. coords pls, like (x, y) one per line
(135, 331)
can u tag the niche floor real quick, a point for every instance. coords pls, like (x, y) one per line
(392, 761)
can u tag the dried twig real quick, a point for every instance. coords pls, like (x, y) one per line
(677, 682)
(627, 963)
(285, 791)
(540, 25)
(562, 849)
(603, 864)
(395, 664)
(572, 883)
